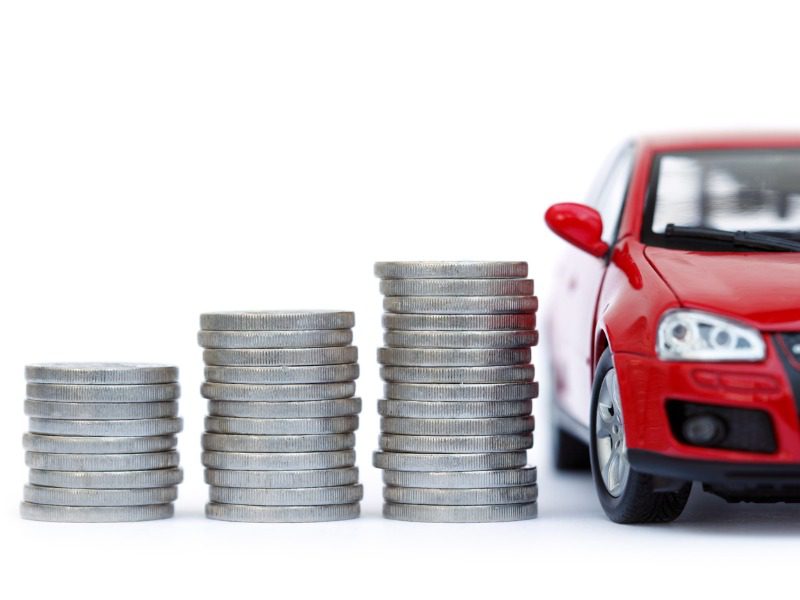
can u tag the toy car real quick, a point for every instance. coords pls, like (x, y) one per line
(675, 341)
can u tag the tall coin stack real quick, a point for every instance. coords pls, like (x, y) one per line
(456, 419)
(101, 446)
(279, 441)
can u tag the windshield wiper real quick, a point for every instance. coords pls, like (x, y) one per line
(746, 239)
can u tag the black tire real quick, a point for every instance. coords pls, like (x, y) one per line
(638, 502)
(570, 453)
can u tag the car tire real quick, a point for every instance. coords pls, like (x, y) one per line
(633, 497)
(570, 453)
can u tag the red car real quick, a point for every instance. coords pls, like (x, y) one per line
(675, 344)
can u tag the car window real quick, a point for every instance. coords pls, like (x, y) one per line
(611, 198)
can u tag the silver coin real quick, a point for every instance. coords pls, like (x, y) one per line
(282, 479)
(510, 374)
(101, 462)
(445, 392)
(95, 514)
(62, 392)
(455, 444)
(319, 496)
(282, 357)
(490, 461)
(518, 494)
(278, 461)
(460, 305)
(285, 410)
(457, 287)
(461, 339)
(454, 410)
(272, 320)
(281, 426)
(460, 514)
(266, 393)
(463, 357)
(499, 426)
(463, 269)
(96, 497)
(154, 478)
(282, 514)
(96, 411)
(461, 479)
(63, 444)
(221, 442)
(282, 375)
(109, 427)
(314, 338)
(410, 322)
(101, 373)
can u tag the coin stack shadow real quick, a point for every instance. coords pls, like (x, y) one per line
(101, 446)
(456, 419)
(280, 435)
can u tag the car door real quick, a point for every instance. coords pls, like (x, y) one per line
(576, 292)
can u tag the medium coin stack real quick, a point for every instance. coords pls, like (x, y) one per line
(280, 435)
(456, 420)
(101, 446)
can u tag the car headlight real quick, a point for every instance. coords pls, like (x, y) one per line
(698, 336)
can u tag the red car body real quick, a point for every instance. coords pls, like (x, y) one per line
(614, 300)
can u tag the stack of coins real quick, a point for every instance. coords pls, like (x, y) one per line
(279, 441)
(456, 419)
(102, 440)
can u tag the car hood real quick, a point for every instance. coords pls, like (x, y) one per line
(760, 287)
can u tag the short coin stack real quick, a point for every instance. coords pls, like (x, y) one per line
(279, 441)
(101, 446)
(456, 419)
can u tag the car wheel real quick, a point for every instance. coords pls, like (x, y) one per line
(571, 454)
(626, 495)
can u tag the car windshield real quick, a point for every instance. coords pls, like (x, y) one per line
(733, 190)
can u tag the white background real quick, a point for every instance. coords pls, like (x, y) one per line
(159, 159)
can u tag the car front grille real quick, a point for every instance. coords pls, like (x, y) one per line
(788, 346)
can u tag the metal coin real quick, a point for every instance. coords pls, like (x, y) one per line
(277, 320)
(96, 497)
(101, 373)
(110, 427)
(285, 410)
(454, 410)
(266, 393)
(457, 287)
(315, 338)
(282, 514)
(454, 444)
(461, 339)
(500, 426)
(438, 357)
(460, 514)
(461, 479)
(279, 461)
(96, 411)
(282, 375)
(95, 514)
(409, 322)
(62, 444)
(62, 392)
(101, 462)
(221, 442)
(283, 357)
(319, 496)
(281, 426)
(282, 479)
(518, 494)
(154, 478)
(511, 374)
(490, 461)
(445, 392)
(460, 305)
(463, 269)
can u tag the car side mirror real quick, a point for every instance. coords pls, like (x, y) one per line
(580, 225)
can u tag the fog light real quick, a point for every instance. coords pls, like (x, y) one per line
(704, 430)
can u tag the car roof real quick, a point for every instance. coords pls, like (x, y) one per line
(717, 141)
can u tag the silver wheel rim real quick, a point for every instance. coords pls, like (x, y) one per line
(612, 451)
